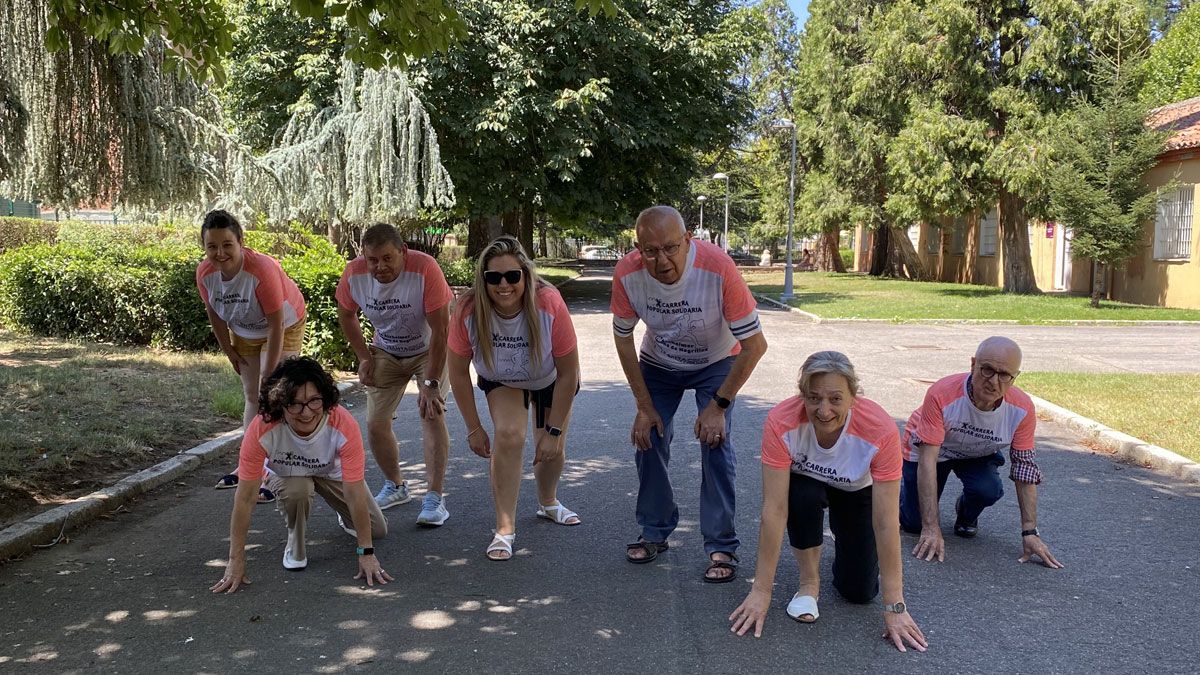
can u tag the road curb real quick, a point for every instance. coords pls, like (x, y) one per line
(1126, 447)
(977, 322)
(46, 528)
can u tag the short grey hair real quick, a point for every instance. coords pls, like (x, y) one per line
(828, 363)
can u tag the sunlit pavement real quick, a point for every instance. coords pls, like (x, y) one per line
(129, 593)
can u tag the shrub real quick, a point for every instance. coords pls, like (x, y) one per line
(459, 272)
(18, 232)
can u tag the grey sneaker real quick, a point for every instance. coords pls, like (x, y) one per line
(433, 510)
(392, 495)
(346, 528)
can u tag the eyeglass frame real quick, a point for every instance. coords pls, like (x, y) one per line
(998, 374)
(669, 250)
(503, 276)
(299, 407)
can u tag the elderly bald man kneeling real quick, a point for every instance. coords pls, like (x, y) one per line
(964, 426)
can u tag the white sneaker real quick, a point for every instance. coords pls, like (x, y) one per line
(433, 510)
(392, 495)
(290, 563)
(346, 528)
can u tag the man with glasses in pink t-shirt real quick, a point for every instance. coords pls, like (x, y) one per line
(964, 426)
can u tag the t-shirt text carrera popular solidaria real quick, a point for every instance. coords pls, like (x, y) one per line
(334, 450)
(512, 362)
(397, 309)
(948, 418)
(867, 451)
(692, 323)
(260, 288)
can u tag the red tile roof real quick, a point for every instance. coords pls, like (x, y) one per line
(1183, 119)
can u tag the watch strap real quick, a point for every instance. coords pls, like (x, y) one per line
(553, 431)
(1030, 533)
(365, 550)
(722, 402)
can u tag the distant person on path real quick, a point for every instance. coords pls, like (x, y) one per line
(702, 333)
(255, 310)
(516, 329)
(830, 448)
(964, 426)
(311, 445)
(405, 296)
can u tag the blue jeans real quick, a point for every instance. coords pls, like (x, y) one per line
(981, 488)
(657, 513)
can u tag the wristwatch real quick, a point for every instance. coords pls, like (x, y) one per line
(897, 608)
(431, 383)
(1030, 533)
(553, 431)
(722, 402)
(365, 550)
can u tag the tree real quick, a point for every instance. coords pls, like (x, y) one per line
(1105, 148)
(1172, 71)
(544, 110)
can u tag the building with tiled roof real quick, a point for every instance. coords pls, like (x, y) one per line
(1182, 119)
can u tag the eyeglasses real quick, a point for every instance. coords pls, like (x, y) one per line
(492, 277)
(668, 250)
(987, 373)
(313, 404)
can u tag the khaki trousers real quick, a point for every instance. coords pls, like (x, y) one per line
(295, 498)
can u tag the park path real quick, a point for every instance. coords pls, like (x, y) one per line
(128, 593)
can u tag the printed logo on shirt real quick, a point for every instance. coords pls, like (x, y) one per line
(968, 440)
(386, 304)
(307, 463)
(231, 298)
(801, 464)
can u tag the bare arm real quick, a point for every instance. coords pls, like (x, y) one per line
(274, 341)
(430, 401)
(710, 423)
(752, 613)
(464, 395)
(369, 567)
(244, 499)
(931, 545)
(900, 628)
(348, 320)
(564, 388)
(220, 330)
(646, 418)
(1032, 545)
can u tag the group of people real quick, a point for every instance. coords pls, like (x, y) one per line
(828, 448)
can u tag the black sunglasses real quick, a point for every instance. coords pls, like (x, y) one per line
(492, 277)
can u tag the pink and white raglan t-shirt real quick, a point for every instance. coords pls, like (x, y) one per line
(512, 363)
(334, 450)
(260, 288)
(692, 323)
(947, 418)
(397, 309)
(868, 451)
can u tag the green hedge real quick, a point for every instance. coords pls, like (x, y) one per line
(145, 294)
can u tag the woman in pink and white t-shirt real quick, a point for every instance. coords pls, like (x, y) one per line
(255, 309)
(516, 330)
(828, 448)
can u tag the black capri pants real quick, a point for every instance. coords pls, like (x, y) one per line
(855, 561)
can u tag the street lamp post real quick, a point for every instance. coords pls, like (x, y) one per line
(702, 199)
(719, 176)
(787, 271)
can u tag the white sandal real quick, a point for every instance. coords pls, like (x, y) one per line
(802, 605)
(501, 543)
(558, 513)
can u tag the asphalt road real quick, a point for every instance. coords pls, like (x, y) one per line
(129, 593)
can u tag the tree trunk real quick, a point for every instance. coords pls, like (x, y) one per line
(828, 258)
(525, 233)
(481, 230)
(1018, 261)
(966, 274)
(510, 223)
(1098, 274)
(879, 251)
(541, 226)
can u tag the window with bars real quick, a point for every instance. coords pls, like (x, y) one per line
(958, 240)
(1173, 225)
(914, 234)
(933, 240)
(989, 233)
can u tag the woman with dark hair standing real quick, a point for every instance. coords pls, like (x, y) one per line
(311, 445)
(517, 331)
(255, 309)
(830, 449)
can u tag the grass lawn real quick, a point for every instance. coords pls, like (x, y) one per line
(76, 416)
(854, 296)
(1159, 409)
(556, 275)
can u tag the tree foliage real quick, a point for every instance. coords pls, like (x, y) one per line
(1172, 71)
(1104, 148)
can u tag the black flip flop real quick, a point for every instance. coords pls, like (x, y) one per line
(265, 496)
(652, 549)
(730, 565)
(229, 480)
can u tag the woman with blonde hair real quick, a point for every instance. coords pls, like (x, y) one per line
(516, 329)
(830, 448)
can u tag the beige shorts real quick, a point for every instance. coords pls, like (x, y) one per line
(293, 341)
(392, 375)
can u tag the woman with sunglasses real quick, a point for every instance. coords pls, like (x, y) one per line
(256, 311)
(311, 445)
(516, 329)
